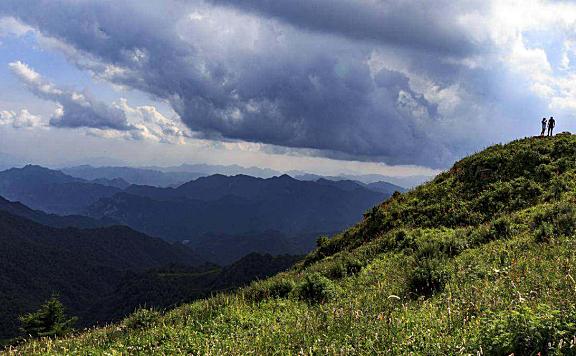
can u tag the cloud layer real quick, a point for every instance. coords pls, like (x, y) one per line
(80, 110)
(405, 23)
(75, 109)
(395, 81)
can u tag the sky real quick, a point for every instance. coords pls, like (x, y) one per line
(396, 87)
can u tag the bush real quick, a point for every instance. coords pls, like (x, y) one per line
(481, 235)
(344, 265)
(544, 232)
(428, 277)
(141, 319)
(565, 219)
(281, 288)
(560, 220)
(322, 241)
(557, 187)
(439, 244)
(316, 289)
(501, 228)
(273, 288)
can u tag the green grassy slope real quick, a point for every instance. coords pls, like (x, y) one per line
(480, 260)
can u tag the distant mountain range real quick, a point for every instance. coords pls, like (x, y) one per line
(220, 217)
(400, 181)
(229, 170)
(238, 205)
(51, 191)
(174, 176)
(129, 175)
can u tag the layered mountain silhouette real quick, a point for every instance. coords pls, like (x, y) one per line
(51, 191)
(130, 175)
(220, 217)
(239, 205)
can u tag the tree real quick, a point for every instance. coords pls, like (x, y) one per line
(49, 320)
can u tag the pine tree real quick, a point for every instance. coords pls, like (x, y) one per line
(49, 320)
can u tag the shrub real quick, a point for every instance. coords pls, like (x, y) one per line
(344, 265)
(281, 288)
(544, 232)
(272, 288)
(501, 228)
(481, 235)
(428, 277)
(558, 187)
(141, 319)
(560, 220)
(316, 289)
(565, 219)
(322, 241)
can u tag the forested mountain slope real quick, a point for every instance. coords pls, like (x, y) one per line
(480, 260)
(81, 265)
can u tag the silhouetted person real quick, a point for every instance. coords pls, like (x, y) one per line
(544, 122)
(551, 124)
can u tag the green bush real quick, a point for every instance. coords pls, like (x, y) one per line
(322, 241)
(501, 228)
(557, 221)
(428, 277)
(481, 235)
(345, 265)
(565, 219)
(141, 319)
(544, 232)
(281, 288)
(557, 187)
(316, 289)
(273, 288)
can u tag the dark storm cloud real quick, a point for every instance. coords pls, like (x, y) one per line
(235, 76)
(429, 26)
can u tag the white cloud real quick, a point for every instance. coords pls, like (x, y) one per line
(9, 26)
(21, 119)
(79, 110)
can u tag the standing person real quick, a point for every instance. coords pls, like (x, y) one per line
(544, 122)
(551, 124)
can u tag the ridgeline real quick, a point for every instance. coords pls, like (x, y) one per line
(480, 260)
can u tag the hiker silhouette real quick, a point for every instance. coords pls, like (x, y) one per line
(544, 122)
(551, 124)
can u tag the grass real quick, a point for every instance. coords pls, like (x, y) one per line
(480, 261)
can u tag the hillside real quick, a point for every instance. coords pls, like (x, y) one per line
(480, 260)
(82, 265)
